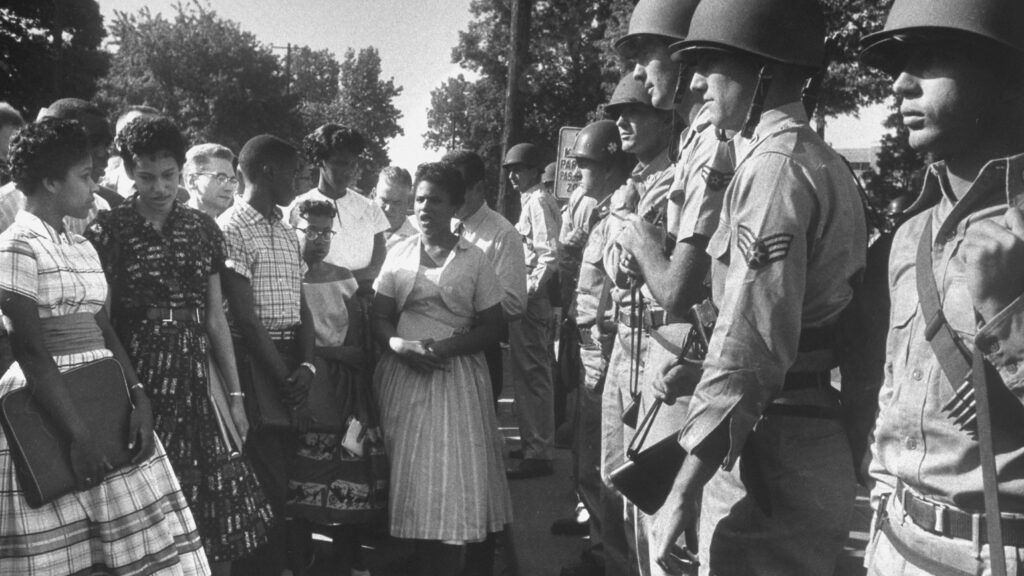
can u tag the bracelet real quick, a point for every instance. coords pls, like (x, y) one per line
(136, 386)
(237, 394)
(310, 367)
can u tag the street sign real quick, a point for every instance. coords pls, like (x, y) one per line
(567, 176)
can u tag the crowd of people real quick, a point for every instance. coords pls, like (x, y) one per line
(298, 356)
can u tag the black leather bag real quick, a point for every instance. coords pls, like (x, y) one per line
(646, 477)
(42, 455)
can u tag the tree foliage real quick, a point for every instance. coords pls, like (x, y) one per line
(565, 81)
(217, 81)
(50, 50)
(898, 166)
(364, 102)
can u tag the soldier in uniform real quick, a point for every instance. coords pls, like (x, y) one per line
(531, 339)
(769, 466)
(658, 255)
(958, 70)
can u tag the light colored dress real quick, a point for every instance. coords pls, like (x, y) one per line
(447, 474)
(136, 521)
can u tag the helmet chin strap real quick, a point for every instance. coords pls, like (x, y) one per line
(764, 82)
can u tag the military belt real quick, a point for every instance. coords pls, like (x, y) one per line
(955, 523)
(648, 320)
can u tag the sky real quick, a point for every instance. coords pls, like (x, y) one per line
(415, 40)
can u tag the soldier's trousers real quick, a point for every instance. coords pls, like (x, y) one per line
(617, 435)
(806, 468)
(531, 351)
(898, 547)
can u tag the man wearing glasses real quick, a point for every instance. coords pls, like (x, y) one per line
(210, 179)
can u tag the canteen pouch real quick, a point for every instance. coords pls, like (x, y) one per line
(647, 476)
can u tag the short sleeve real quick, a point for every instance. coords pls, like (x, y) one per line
(699, 187)
(378, 221)
(238, 255)
(215, 238)
(19, 271)
(488, 291)
(385, 282)
(101, 235)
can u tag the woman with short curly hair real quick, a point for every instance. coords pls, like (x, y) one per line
(334, 151)
(52, 295)
(163, 261)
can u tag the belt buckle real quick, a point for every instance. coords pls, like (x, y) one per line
(167, 323)
(939, 511)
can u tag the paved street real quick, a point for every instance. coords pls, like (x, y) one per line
(537, 503)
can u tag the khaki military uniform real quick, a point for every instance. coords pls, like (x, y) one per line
(691, 193)
(531, 338)
(792, 238)
(922, 459)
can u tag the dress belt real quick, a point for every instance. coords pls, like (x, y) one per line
(169, 315)
(649, 320)
(955, 523)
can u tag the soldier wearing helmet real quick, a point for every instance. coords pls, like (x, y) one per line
(656, 252)
(791, 242)
(956, 277)
(531, 339)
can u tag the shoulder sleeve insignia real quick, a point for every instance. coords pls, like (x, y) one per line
(759, 252)
(715, 179)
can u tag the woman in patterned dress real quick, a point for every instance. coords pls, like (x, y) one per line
(162, 260)
(438, 305)
(134, 520)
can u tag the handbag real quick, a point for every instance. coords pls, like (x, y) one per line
(41, 453)
(647, 476)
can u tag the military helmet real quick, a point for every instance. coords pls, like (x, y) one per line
(628, 91)
(524, 153)
(899, 205)
(597, 141)
(1000, 22)
(669, 19)
(549, 173)
(786, 31)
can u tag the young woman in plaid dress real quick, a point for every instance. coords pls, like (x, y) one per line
(131, 521)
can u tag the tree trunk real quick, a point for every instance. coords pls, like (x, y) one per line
(508, 200)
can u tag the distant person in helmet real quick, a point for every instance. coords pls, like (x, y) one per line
(531, 339)
(769, 466)
(548, 177)
(895, 212)
(956, 273)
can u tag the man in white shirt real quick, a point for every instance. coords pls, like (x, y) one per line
(393, 194)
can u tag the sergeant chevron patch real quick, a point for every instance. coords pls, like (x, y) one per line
(759, 252)
(715, 179)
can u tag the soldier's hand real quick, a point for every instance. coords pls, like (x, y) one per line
(679, 378)
(994, 258)
(668, 527)
(577, 238)
(640, 236)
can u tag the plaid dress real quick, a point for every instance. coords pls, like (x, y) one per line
(134, 523)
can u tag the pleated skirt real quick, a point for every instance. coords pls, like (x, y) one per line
(441, 433)
(136, 522)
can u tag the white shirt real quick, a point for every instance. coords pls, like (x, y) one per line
(357, 222)
(407, 229)
(501, 242)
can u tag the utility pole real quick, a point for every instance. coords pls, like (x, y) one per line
(287, 65)
(518, 56)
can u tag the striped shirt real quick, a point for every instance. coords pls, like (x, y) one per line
(266, 253)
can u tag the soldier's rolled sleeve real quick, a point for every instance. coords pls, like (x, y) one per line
(510, 264)
(545, 245)
(1002, 342)
(757, 336)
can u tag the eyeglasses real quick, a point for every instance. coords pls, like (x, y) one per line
(222, 179)
(314, 234)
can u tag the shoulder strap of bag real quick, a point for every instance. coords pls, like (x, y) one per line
(993, 523)
(643, 430)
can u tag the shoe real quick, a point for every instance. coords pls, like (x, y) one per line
(360, 572)
(530, 468)
(582, 569)
(570, 527)
(516, 454)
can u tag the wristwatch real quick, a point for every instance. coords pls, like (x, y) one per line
(310, 366)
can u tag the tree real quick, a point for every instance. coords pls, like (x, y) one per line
(215, 80)
(50, 49)
(366, 103)
(898, 166)
(314, 74)
(565, 82)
